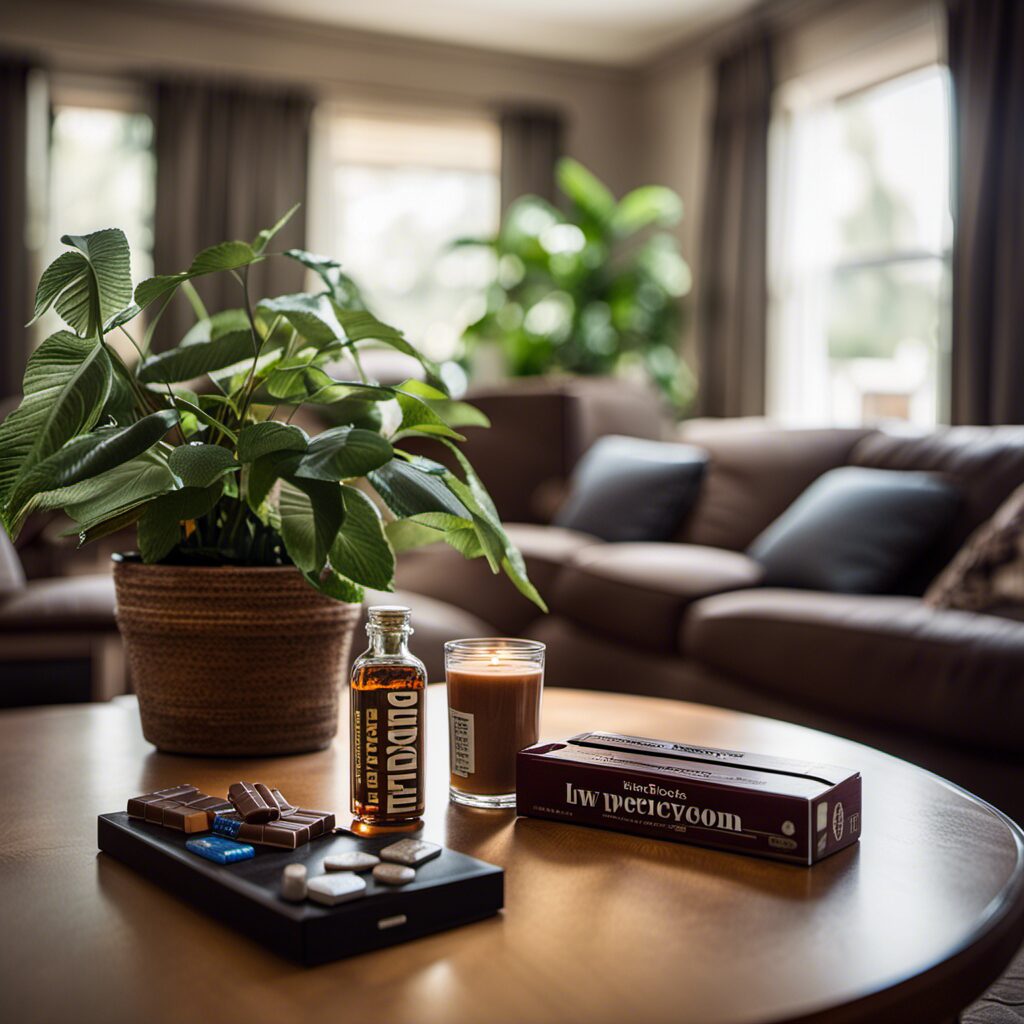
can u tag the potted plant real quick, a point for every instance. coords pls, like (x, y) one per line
(255, 540)
(591, 289)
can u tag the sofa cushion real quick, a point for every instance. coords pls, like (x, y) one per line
(637, 592)
(439, 572)
(985, 464)
(629, 489)
(65, 604)
(887, 660)
(854, 530)
(755, 471)
(988, 571)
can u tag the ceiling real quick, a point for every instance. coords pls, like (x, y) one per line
(602, 31)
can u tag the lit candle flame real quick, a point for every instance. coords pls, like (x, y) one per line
(495, 660)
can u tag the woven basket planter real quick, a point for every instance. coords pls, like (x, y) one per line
(233, 661)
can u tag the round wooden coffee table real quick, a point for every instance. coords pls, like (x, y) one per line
(910, 925)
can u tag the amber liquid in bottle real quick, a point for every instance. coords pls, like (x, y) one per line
(387, 694)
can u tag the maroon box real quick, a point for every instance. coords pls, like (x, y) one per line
(731, 800)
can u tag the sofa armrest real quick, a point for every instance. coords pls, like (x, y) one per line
(638, 592)
(439, 572)
(887, 660)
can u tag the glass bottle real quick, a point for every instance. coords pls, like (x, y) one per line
(387, 704)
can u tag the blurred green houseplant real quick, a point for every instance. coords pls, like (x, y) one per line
(593, 290)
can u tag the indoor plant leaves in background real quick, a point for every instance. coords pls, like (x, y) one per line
(595, 288)
(255, 539)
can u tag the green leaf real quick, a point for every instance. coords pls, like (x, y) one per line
(407, 535)
(343, 289)
(418, 418)
(159, 528)
(312, 512)
(454, 414)
(585, 191)
(311, 315)
(108, 494)
(488, 528)
(303, 382)
(202, 415)
(432, 528)
(361, 325)
(360, 550)
(201, 465)
(66, 386)
(216, 326)
(644, 206)
(259, 243)
(189, 361)
(264, 472)
(408, 491)
(106, 526)
(333, 584)
(88, 287)
(87, 456)
(120, 405)
(225, 256)
(258, 439)
(343, 452)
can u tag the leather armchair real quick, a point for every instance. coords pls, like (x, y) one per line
(58, 638)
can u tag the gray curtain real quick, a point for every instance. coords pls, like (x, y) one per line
(531, 143)
(230, 161)
(986, 59)
(15, 284)
(733, 291)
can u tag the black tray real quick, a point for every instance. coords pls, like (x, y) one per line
(449, 891)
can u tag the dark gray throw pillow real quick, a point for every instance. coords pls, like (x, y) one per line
(855, 531)
(628, 489)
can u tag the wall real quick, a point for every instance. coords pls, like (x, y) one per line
(147, 38)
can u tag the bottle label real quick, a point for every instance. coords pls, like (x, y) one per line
(462, 742)
(387, 745)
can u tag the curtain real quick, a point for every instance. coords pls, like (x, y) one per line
(733, 292)
(531, 143)
(230, 161)
(15, 283)
(986, 60)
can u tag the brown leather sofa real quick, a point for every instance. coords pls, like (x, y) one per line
(689, 619)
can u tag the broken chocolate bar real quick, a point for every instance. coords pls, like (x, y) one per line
(296, 826)
(182, 807)
(254, 802)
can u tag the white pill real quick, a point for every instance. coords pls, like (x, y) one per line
(293, 882)
(337, 888)
(393, 874)
(410, 851)
(353, 860)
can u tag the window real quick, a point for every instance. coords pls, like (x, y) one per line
(100, 172)
(398, 191)
(860, 247)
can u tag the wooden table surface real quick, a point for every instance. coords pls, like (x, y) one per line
(909, 925)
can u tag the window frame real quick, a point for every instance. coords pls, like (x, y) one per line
(810, 94)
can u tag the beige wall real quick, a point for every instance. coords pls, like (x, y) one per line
(145, 38)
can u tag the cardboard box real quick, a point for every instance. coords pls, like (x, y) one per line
(728, 799)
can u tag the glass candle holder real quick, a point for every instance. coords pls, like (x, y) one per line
(494, 690)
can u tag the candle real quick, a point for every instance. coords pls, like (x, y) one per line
(494, 690)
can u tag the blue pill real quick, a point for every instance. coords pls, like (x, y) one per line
(220, 851)
(226, 826)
